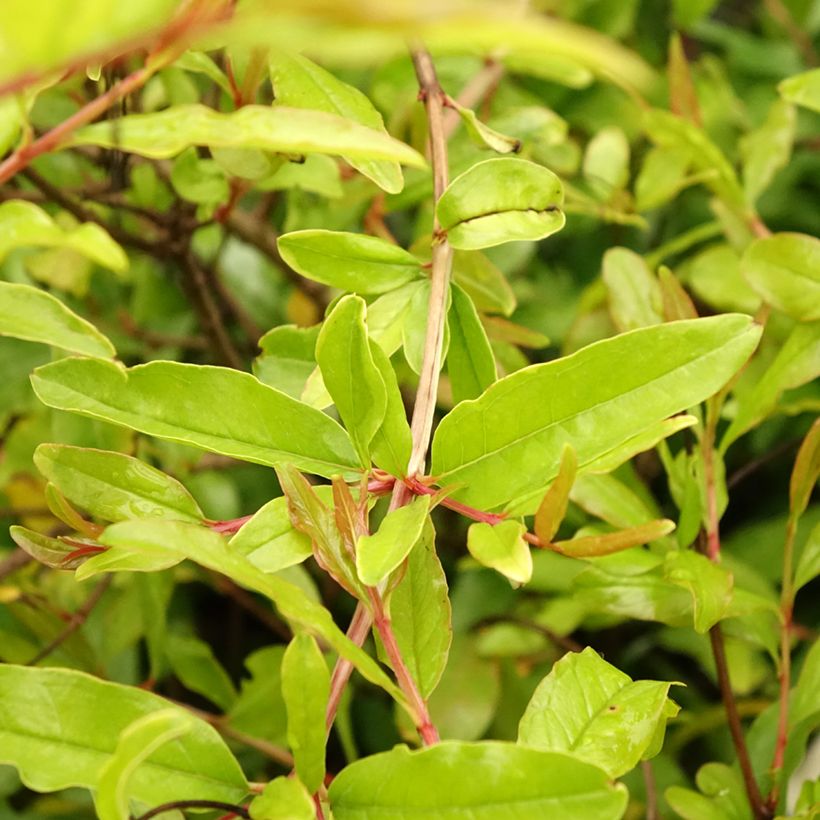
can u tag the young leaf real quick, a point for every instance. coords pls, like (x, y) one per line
(379, 554)
(709, 585)
(484, 283)
(553, 506)
(683, 98)
(596, 399)
(482, 134)
(393, 441)
(721, 797)
(299, 83)
(32, 314)
(503, 548)
(606, 163)
(635, 298)
(306, 688)
(480, 781)
(288, 358)
(470, 361)
(605, 544)
(134, 746)
(269, 540)
(802, 89)
(421, 614)
(38, 738)
(767, 149)
(114, 486)
(677, 304)
(279, 129)
(193, 662)
(589, 708)
(348, 261)
(785, 270)
(214, 408)
(284, 798)
(26, 224)
(50, 551)
(350, 374)
(501, 200)
(808, 565)
(805, 472)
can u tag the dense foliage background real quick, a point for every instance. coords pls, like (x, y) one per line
(679, 141)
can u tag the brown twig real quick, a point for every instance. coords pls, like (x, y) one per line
(76, 620)
(174, 805)
(651, 790)
(17, 560)
(481, 85)
(799, 36)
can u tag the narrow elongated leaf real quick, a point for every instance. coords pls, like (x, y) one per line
(32, 314)
(25, 224)
(393, 441)
(484, 282)
(805, 472)
(269, 540)
(590, 708)
(49, 716)
(305, 688)
(283, 130)
(348, 261)
(284, 798)
(214, 408)
(379, 554)
(510, 439)
(483, 135)
(768, 148)
(50, 551)
(350, 374)
(606, 162)
(808, 565)
(634, 293)
(135, 745)
(300, 83)
(470, 361)
(501, 200)
(607, 543)
(479, 781)
(802, 89)
(785, 270)
(210, 550)
(503, 548)
(553, 506)
(113, 486)
(421, 614)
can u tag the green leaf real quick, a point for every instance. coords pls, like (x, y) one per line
(595, 399)
(808, 565)
(49, 551)
(635, 298)
(606, 162)
(306, 688)
(210, 550)
(393, 441)
(25, 224)
(480, 781)
(113, 486)
(709, 585)
(553, 506)
(200, 63)
(767, 149)
(607, 543)
(260, 709)
(349, 261)
(300, 83)
(501, 200)
(51, 716)
(805, 472)
(269, 540)
(797, 362)
(199, 180)
(379, 554)
(785, 270)
(802, 89)
(484, 282)
(556, 68)
(284, 798)
(671, 132)
(470, 360)
(502, 547)
(29, 313)
(279, 129)
(721, 797)
(587, 707)
(193, 662)
(288, 358)
(482, 134)
(213, 408)
(136, 744)
(350, 374)
(661, 177)
(421, 614)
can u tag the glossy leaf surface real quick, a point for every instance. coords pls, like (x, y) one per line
(184, 403)
(32, 314)
(348, 261)
(594, 399)
(49, 716)
(501, 200)
(590, 708)
(474, 781)
(114, 486)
